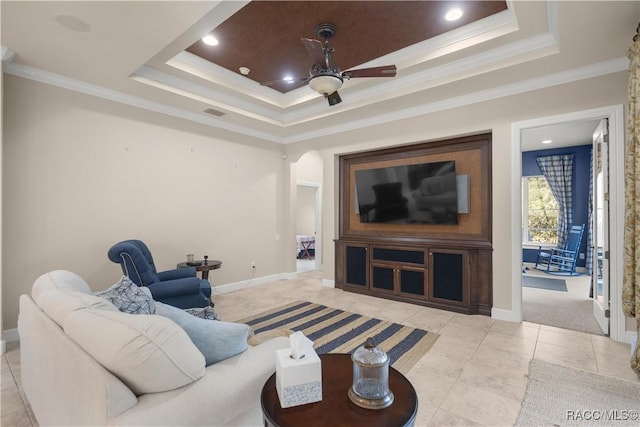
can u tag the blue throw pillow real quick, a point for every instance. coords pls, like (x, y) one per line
(129, 298)
(215, 339)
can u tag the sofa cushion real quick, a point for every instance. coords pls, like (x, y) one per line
(60, 280)
(128, 297)
(60, 292)
(216, 340)
(148, 353)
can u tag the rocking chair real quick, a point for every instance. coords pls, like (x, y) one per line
(561, 261)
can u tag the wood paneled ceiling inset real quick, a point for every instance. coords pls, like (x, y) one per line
(265, 35)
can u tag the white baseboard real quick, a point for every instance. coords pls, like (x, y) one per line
(328, 283)
(502, 314)
(290, 276)
(257, 281)
(250, 283)
(9, 335)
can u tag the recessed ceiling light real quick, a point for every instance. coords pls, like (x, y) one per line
(210, 40)
(288, 78)
(244, 70)
(453, 14)
(547, 141)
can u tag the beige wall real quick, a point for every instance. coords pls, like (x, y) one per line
(495, 116)
(82, 173)
(309, 168)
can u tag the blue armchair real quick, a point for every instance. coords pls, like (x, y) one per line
(180, 287)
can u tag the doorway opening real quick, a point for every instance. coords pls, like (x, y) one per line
(307, 206)
(556, 192)
(308, 211)
(580, 284)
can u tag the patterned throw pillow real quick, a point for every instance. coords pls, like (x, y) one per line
(129, 298)
(204, 313)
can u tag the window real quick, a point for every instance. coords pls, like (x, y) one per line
(539, 211)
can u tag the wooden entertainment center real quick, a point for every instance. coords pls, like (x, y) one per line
(440, 265)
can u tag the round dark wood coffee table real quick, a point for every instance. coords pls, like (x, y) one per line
(336, 409)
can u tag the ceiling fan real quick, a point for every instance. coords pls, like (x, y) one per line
(325, 76)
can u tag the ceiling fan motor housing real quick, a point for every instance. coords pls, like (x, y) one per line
(325, 31)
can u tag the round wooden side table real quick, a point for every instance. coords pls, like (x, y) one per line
(335, 409)
(205, 268)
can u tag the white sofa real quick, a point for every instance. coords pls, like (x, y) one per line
(155, 375)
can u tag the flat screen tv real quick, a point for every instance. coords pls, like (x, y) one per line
(424, 193)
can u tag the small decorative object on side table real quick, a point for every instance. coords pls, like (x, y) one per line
(370, 389)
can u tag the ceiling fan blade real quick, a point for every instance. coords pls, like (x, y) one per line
(316, 51)
(334, 98)
(384, 71)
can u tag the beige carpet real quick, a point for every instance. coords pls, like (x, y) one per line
(562, 396)
(568, 310)
(559, 309)
(337, 331)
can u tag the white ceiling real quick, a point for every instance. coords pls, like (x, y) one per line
(567, 134)
(134, 53)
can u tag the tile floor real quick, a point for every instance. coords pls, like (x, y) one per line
(475, 374)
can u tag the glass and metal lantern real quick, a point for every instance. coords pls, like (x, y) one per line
(370, 387)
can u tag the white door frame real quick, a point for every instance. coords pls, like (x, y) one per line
(615, 114)
(600, 137)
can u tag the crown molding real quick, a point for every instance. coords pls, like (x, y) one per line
(568, 76)
(134, 101)
(550, 80)
(205, 94)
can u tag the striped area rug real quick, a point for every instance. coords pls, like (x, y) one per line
(338, 331)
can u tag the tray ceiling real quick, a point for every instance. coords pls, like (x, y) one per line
(264, 36)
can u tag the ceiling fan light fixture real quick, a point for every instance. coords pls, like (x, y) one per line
(325, 84)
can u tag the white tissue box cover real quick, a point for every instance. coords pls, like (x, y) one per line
(298, 381)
